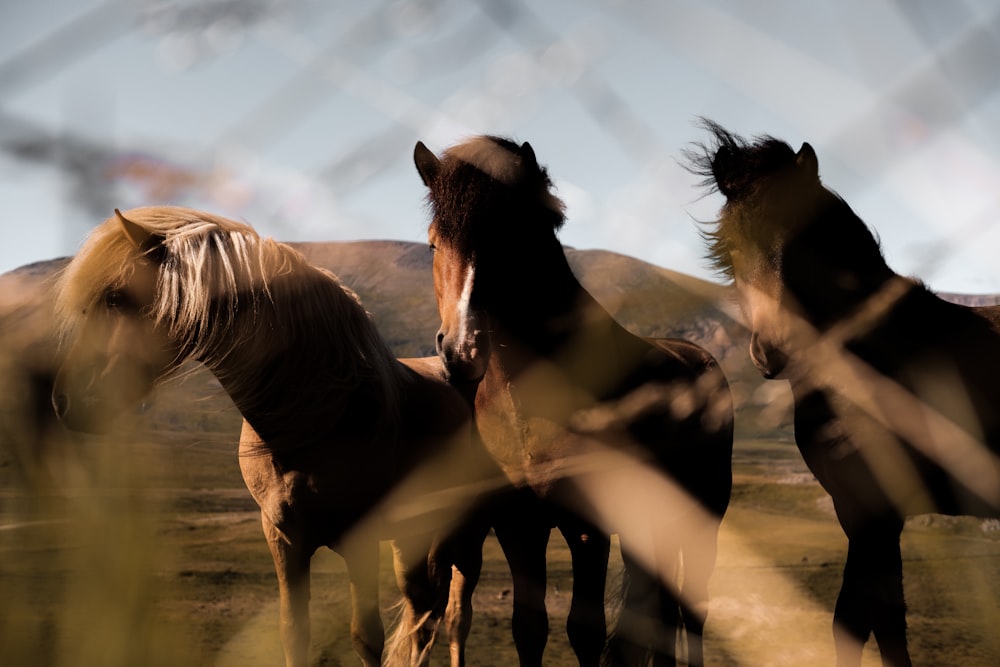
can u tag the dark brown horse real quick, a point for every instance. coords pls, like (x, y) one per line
(897, 398)
(342, 445)
(599, 430)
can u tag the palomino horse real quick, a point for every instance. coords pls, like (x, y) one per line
(895, 390)
(601, 431)
(342, 445)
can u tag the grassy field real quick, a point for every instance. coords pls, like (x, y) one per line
(147, 550)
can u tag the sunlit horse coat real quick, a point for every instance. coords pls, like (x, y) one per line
(342, 445)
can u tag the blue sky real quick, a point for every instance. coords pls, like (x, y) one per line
(300, 116)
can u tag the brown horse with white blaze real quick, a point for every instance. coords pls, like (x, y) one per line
(600, 431)
(342, 444)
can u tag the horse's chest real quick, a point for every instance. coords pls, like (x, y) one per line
(528, 435)
(306, 495)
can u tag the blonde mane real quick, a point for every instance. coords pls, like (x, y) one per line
(220, 285)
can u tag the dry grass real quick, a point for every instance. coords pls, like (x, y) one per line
(150, 553)
(146, 549)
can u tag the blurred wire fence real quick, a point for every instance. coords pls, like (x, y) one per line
(300, 117)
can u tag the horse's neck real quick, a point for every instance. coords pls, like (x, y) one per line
(549, 310)
(575, 339)
(297, 392)
(902, 315)
(297, 405)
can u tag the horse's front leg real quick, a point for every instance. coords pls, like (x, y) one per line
(871, 596)
(291, 563)
(524, 547)
(586, 625)
(367, 631)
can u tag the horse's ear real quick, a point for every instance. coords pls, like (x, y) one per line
(428, 164)
(150, 243)
(807, 162)
(527, 154)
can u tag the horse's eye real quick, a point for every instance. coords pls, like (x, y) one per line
(433, 248)
(115, 299)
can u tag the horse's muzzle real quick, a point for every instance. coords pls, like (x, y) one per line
(465, 362)
(77, 418)
(769, 360)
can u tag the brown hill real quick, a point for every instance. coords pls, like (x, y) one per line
(394, 281)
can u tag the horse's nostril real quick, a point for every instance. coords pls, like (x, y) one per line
(60, 402)
(771, 361)
(444, 350)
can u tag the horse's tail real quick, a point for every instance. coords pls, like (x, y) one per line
(410, 642)
(396, 645)
(648, 618)
(614, 604)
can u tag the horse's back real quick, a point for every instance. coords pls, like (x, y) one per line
(431, 368)
(681, 358)
(962, 356)
(696, 438)
(458, 475)
(435, 404)
(686, 354)
(989, 313)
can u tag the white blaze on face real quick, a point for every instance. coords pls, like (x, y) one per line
(465, 339)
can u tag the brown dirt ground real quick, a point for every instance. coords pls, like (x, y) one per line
(152, 554)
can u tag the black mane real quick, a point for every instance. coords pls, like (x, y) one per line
(465, 193)
(733, 165)
(778, 206)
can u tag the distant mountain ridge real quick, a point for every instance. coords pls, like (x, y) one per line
(394, 281)
(976, 300)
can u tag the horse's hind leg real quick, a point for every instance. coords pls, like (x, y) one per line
(649, 620)
(586, 625)
(424, 576)
(367, 632)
